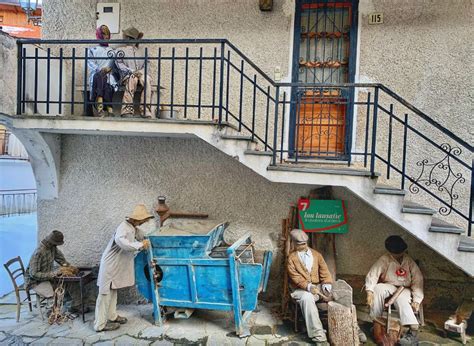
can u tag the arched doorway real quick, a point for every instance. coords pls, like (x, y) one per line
(18, 219)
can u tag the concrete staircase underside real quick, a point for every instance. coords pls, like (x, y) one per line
(417, 220)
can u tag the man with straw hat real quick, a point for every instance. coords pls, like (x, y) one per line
(310, 281)
(117, 268)
(131, 63)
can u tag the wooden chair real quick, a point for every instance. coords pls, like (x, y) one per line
(15, 275)
(298, 315)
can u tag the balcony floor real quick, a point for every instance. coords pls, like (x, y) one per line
(109, 125)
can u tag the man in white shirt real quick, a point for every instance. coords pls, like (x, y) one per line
(392, 270)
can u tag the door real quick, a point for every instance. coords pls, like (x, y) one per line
(324, 53)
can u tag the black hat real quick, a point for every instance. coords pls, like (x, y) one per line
(395, 244)
(55, 238)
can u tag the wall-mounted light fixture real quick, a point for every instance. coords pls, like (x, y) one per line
(30, 6)
(265, 5)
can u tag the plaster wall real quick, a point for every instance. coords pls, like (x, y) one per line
(40, 83)
(97, 190)
(258, 34)
(7, 73)
(422, 52)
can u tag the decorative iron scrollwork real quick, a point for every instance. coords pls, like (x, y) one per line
(440, 175)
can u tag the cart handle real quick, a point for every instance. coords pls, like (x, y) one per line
(232, 249)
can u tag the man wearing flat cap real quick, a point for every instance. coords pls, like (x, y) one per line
(392, 270)
(310, 281)
(117, 268)
(40, 273)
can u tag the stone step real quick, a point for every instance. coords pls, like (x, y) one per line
(415, 208)
(466, 244)
(319, 161)
(441, 226)
(320, 170)
(388, 190)
(258, 152)
(238, 138)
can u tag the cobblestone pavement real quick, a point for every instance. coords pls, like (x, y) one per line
(203, 328)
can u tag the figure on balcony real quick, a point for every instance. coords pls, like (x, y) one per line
(393, 270)
(101, 79)
(310, 281)
(132, 73)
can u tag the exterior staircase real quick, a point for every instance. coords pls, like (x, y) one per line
(420, 221)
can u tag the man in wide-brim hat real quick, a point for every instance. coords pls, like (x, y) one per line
(392, 270)
(133, 71)
(117, 268)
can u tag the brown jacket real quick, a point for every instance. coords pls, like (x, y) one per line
(299, 275)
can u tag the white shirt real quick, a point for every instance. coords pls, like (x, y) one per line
(306, 257)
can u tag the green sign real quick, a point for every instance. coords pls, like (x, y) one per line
(322, 216)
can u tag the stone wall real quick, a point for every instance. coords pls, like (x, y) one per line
(7, 73)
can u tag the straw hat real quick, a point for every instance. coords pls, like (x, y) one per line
(133, 32)
(140, 213)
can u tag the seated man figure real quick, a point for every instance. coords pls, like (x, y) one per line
(310, 280)
(133, 72)
(40, 272)
(392, 270)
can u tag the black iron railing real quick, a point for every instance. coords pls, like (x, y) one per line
(211, 79)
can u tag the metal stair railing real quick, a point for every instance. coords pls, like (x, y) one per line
(366, 124)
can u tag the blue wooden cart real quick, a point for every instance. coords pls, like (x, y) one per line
(191, 267)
